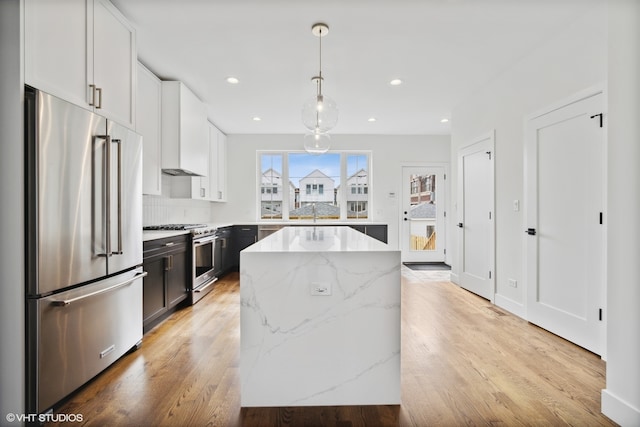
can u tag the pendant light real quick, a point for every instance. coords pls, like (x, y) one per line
(320, 113)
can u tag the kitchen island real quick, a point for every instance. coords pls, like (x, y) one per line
(320, 319)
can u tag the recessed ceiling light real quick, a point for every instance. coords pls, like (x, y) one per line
(233, 80)
(371, 119)
(445, 120)
(256, 119)
(395, 82)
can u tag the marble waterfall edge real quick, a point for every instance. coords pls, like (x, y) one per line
(338, 348)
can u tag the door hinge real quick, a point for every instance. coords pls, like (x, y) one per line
(445, 251)
(600, 314)
(445, 176)
(489, 215)
(600, 218)
(489, 274)
(598, 115)
(489, 153)
(445, 214)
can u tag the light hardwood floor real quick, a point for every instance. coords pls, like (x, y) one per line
(464, 362)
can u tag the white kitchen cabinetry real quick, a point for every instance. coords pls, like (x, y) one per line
(148, 124)
(220, 191)
(185, 141)
(213, 186)
(83, 51)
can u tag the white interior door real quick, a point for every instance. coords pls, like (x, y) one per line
(565, 244)
(422, 217)
(476, 217)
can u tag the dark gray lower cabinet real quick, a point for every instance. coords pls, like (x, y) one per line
(225, 245)
(243, 236)
(167, 263)
(378, 231)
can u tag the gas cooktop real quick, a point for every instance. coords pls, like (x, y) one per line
(174, 226)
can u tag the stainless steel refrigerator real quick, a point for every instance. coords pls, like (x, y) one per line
(84, 243)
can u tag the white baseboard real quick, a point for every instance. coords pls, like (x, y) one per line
(455, 278)
(511, 306)
(618, 410)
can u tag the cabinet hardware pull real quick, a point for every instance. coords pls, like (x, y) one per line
(93, 95)
(99, 104)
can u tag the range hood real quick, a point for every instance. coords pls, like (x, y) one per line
(185, 135)
(179, 172)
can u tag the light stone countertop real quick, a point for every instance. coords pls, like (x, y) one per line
(318, 239)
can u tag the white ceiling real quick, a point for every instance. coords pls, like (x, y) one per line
(442, 49)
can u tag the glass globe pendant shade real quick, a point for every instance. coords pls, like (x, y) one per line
(317, 142)
(320, 114)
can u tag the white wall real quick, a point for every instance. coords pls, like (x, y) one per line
(388, 154)
(12, 289)
(568, 62)
(621, 398)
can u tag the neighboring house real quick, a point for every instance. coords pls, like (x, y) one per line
(423, 189)
(316, 188)
(357, 194)
(271, 189)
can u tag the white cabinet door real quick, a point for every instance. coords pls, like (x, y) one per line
(82, 51)
(148, 116)
(201, 186)
(114, 63)
(58, 46)
(221, 161)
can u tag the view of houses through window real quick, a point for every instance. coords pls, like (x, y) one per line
(301, 186)
(423, 212)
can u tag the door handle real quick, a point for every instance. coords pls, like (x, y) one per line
(119, 142)
(530, 231)
(62, 303)
(460, 225)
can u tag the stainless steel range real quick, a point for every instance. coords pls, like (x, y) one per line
(206, 250)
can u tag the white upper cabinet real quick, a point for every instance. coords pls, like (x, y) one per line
(83, 51)
(185, 138)
(213, 186)
(148, 124)
(220, 192)
(114, 63)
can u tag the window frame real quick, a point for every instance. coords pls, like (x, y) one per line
(342, 199)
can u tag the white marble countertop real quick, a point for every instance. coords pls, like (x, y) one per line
(318, 239)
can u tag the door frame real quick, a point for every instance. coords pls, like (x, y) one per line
(528, 191)
(445, 204)
(484, 142)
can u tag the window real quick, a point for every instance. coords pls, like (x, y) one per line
(300, 185)
(270, 180)
(358, 180)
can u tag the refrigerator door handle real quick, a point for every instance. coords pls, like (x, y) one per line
(119, 251)
(106, 176)
(62, 303)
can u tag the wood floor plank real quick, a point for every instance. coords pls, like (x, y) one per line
(464, 362)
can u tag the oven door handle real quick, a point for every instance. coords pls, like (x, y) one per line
(203, 240)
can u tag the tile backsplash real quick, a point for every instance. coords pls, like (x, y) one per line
(166, 210)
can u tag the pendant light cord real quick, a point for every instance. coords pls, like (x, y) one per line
(320, 74)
